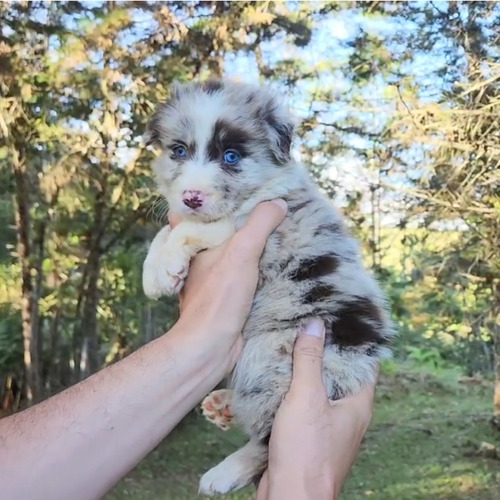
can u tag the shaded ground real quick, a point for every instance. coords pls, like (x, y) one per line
(422, 445)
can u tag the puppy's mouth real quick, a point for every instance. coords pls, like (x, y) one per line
(208, 212)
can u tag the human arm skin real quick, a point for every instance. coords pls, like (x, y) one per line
(314, 441)
(79, 443)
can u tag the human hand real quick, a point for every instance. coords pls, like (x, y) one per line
(314, 441)
(218, 293)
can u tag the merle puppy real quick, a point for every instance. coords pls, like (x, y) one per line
(225, 147)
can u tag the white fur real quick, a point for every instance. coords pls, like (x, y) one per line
(235, 472)
(167, 263)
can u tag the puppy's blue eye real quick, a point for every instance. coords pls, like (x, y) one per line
(180, 151)
(232, 157)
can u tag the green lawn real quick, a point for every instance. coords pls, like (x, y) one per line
(421, 445)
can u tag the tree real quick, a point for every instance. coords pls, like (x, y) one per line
(457, 136)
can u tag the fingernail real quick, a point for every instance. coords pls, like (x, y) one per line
(315, 328)
(281, 203)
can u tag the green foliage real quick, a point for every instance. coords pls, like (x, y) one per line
(441, 324)
(11, 352)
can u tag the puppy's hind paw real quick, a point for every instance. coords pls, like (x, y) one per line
(236, 471)
(216, 408)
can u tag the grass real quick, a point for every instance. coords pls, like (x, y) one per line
(421, 445)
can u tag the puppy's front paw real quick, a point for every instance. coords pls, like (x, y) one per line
(165, 268)
(150, 283)
(174, 270)
(165, 276)
(216, 408)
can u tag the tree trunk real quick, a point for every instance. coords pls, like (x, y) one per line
(76, 351)
(147, 323)
(89, 317)
(28, 307)
(90, 297)
(496, 394)
(496, 354)
(54, 360)
(38, 321)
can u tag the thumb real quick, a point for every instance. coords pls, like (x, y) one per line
(251, 239)
(308, 356)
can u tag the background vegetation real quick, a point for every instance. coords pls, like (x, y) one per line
(400, 123)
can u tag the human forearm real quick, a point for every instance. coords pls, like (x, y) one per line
(101, 428)
(300, 485)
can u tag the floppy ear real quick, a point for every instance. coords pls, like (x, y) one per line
(281, 139)
(280, 130)
(153, 133)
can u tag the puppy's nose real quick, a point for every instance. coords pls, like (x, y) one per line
(193, 199)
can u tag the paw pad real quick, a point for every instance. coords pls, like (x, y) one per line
(216, 408)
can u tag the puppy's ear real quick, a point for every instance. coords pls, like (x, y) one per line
(153, 133)
(281, 138)
(280, 130)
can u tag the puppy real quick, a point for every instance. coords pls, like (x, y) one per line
(225, 147)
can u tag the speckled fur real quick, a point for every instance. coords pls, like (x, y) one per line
(311, 265)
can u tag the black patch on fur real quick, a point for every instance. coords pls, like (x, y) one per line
(284, 264)
(315, 267)
(265, 440)
(283, 351)
(295, 208)
(373, 350)
(250, 392)
(227, 136)
(328, 228)
(284, 132)
(300, 319)
(334, 391)
(212, 86)
(250, 98)
(152, 135)
(191, 149)
(280, 148)
(359, 322)
(318, 293)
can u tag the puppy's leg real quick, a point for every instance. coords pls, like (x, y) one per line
(260, 380)
(216, 408)
(236, 471)
(152, 285)
(167, 263)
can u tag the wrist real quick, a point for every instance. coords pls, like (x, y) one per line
(206, 351)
